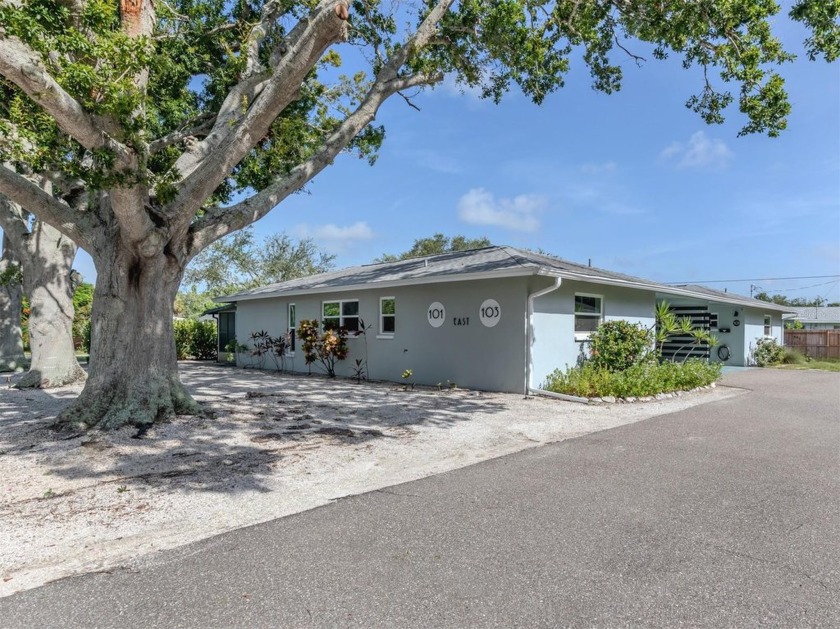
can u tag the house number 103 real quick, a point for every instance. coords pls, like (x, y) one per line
(490, 312)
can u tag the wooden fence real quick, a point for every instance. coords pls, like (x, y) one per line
(814, 343)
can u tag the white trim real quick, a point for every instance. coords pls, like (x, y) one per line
(289, 328)
(381, 333)
(584, 336)
(341, 315)
(529, 328)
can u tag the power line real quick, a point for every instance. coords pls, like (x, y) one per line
(757, 279)
(787, 290)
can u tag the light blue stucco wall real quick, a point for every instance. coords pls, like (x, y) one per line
(470, 355)
(754, 330)
(553, 342)
(741, 338)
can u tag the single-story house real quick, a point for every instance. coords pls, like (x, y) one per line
(496, 318)
(816, 317)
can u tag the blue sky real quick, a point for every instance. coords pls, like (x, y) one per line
(634, 181)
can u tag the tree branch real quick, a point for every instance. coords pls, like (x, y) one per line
(22, 66)
(32, 198)
(270, 11)
(202, 128)
(218, 222)
(242, 122)
(75, 8)
(12, 219)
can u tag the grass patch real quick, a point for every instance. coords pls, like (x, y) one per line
(824, 364)
(640, 380)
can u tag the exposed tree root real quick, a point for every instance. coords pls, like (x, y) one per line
(37, 379)
(117, 404)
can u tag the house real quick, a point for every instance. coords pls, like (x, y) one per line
(496, 318)
(816, 317)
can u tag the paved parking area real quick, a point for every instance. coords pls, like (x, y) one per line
(721, 515)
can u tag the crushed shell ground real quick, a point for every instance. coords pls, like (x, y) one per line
(271, 445)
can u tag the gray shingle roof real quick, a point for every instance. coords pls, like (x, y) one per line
(496, 261)
(734, 298)
(817, 314)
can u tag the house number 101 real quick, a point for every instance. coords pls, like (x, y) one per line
(436, 314)
(490, 312)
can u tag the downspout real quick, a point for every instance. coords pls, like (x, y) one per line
(530, 329)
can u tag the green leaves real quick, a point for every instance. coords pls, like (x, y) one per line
(822, 18)
(238, 262)
(198, 52)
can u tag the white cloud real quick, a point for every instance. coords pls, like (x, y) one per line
(699, 152)
(479, 207)
(599, 169)
(335, 237)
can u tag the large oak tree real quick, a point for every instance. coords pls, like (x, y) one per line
(163, 111)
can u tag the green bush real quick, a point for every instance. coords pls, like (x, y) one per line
(195, 339)
(639, 380)
(617, 345)
(793, 357)
(86, 336)
(768, 352)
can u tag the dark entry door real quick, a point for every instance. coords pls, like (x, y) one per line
(227, 332)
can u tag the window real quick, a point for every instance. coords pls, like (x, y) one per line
(589, 312)
(292, 329)
(768, 325)
(341, 314)
(387, 316)
(713, 321)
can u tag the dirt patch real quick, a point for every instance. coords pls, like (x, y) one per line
(270, 445)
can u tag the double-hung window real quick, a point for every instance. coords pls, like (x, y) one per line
(341, 314)
(768, 325)
(589, 312)
(387, 316)
(292, 329)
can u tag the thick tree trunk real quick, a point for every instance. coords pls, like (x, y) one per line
(11, 298)
(47, 280)
(133, 370)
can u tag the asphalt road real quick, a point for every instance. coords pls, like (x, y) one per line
(723, 515)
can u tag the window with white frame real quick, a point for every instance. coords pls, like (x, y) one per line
(292, 329)
(387, 316)
(341, 314)
(589, 313)
(768, 325)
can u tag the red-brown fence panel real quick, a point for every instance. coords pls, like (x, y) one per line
(814, 343)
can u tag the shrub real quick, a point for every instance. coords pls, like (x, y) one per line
(768, 352)
(617, 345)
(793, 357)
(639, 380)
(325, 349)
(195, 339)
(86, 337)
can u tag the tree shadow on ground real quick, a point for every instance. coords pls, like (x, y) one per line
(255, 422)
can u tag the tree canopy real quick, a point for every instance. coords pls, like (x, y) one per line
(784, 300)
(435, 244)
(239, 263)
